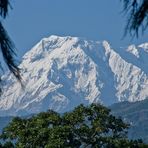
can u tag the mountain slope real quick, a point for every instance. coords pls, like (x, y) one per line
(136, 114)
(62, 72)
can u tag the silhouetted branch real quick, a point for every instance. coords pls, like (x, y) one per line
(4, 4)
(137, 11)
(8, 48)
(6, 45)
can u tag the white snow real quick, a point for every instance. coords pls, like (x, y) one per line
(61, 72)
(132, 49)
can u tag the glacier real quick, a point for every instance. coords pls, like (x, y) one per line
(60, 73)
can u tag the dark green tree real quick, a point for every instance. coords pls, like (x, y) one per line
(7, 47)
(137, 16)
(91, 126)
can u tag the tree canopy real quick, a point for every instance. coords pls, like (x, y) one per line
(92, 126)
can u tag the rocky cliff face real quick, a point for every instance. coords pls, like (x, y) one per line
(62, 72)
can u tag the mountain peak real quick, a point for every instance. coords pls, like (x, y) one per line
(61, 72)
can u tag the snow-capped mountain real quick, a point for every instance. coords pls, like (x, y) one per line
(61, 72)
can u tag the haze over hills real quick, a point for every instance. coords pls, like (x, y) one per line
(61, 72)
(136, 114)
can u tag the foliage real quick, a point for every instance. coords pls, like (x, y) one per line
(137, 11)
(6, 45)
(91, 126)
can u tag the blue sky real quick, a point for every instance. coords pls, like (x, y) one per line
(31, 20)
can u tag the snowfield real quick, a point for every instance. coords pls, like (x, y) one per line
(61, 72)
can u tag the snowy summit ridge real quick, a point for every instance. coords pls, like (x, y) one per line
(62, 72)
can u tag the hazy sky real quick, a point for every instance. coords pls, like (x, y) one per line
(31, 20)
